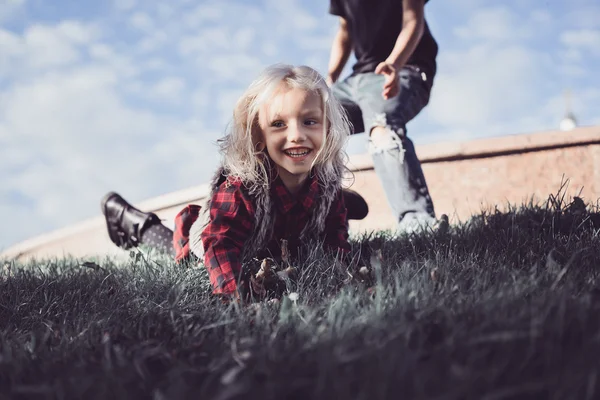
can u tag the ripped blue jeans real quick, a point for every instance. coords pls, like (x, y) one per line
(395, 161)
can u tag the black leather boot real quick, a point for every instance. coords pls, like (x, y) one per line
(124, 222)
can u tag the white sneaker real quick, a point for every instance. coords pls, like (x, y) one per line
(421, 222)
(416, 222)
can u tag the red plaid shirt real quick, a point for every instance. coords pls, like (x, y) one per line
(232, 219)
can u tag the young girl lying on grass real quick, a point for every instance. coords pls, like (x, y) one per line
(279, 187)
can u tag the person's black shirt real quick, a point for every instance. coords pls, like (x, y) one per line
(374, 27)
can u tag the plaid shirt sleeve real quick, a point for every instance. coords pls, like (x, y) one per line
(223, 239)
(181, 234)
(336, 226)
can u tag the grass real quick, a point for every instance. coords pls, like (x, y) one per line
(504, 306)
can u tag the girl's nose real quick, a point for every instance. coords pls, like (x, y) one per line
(296, 133)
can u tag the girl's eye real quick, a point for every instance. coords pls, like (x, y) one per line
(311, 122)
(277, 124)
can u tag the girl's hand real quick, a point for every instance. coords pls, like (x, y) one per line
(267, 287)
(266, 283)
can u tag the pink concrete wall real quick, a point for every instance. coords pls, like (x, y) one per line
(463, 178)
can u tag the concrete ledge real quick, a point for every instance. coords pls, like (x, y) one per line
(179, 198)
(462, 176)
(494, 146)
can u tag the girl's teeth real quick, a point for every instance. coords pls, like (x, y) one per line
(294, 154)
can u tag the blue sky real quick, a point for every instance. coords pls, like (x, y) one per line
(130, 95)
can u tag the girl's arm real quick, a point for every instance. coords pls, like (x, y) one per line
(224, 237)
(336, 226)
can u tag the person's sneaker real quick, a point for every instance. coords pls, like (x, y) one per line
(421, 222)
(124, 222)
(355, 204)
(415, 223)
(442, 225)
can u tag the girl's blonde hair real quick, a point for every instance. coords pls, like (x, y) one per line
(241, 158)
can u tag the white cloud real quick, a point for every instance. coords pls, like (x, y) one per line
(204, 13)
(13, 3)
(300, 19)
(573, 70)
(153, 42)
(155, 64)
(76, 32)
(244, 37)
(102, 51)
(495, 23)
(206, 40)
(317, 43)
(542, 17)
(586, 40)
(124, 5)
(501, 80)
(269, 49)
(47, 48)
(165, 11)
(68, 105)
(142, 21)
(584, 16)
(233, 67)
(226, 103)
(571, 55)
(580, 47)
(479, 86)
(44, 47)
(8, 8)
(200, 99)
(11, 48)
(169, 89)
(75, 139)
(501, 24)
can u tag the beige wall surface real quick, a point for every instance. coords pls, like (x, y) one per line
(462, 178)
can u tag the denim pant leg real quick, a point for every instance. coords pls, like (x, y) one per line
(342, 91)
(396, 163)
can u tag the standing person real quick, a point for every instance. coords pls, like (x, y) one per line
(389, 85)
(280, 180)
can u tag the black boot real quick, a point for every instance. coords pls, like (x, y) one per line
(355, 204)
(124, 222)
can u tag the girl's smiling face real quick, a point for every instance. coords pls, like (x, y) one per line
(292, 130)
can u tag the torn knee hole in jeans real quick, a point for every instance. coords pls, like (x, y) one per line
(390, 142)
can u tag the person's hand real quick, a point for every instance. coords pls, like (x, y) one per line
(266, 283)
(391, 87)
